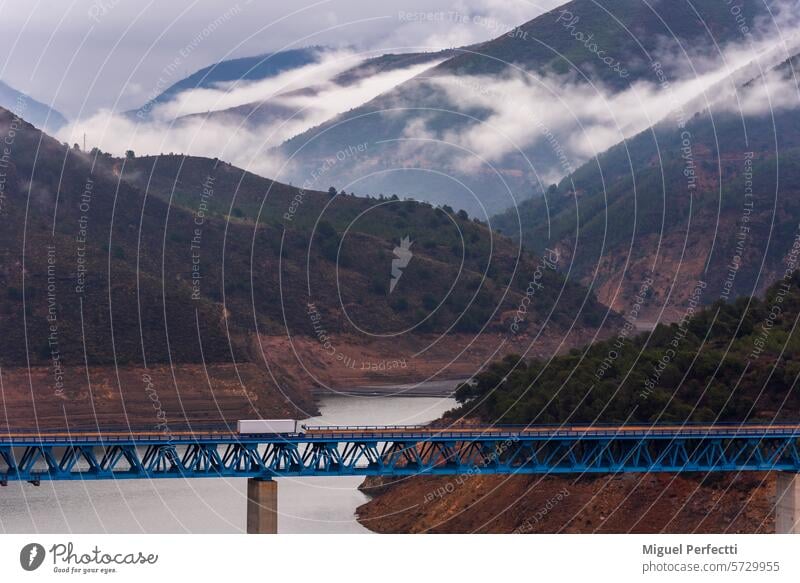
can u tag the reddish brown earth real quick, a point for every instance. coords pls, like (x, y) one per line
(105, 397)
(652, 503)
(349, 361)
(280, 386)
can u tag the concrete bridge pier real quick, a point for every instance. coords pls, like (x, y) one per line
(787, 503)
(262, 506)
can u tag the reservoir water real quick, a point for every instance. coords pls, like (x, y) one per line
(305, 505)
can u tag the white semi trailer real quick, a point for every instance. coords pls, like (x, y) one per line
(268, 426)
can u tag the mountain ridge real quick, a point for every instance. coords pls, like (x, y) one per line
(39, 114)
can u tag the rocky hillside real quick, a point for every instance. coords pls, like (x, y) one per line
(707, 197)
(647, 504)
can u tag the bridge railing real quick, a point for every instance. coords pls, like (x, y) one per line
(605, 430)
(549, 426)
(394, 432)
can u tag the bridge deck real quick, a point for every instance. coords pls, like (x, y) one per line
(399, 451)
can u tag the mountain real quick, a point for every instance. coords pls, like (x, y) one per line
(290, 104)
(234, 70)
(180, 268)
(39, 114)
(299, 247)
(708, 196)
(496, 123)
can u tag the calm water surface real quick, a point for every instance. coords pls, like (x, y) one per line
(306, 505)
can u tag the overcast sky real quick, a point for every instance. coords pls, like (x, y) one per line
(83, 55)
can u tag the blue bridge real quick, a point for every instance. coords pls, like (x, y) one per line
(398, 451)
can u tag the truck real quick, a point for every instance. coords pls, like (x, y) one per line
(268, 426)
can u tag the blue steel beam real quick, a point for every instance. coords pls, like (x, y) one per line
(400, 451)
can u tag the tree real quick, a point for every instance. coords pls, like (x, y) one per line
(130, 155)
(332, 191)
(400, 304)
(328, 240)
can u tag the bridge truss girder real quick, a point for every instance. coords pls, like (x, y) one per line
(36, 461)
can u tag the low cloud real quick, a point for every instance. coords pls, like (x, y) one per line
(332, 99)
(522, 112)
(307, 95)
(235, 93)
(114, 133)
(772, 92)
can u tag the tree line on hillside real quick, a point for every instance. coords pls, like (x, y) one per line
(731, 362)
